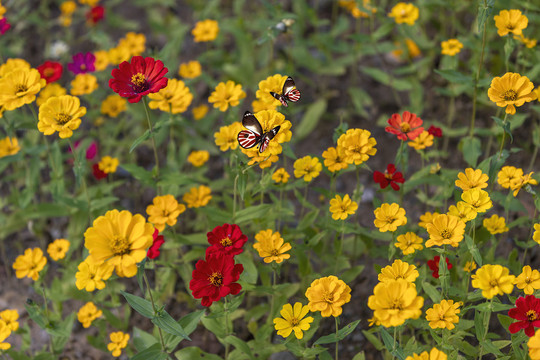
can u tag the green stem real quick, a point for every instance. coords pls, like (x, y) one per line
(77, 163)
(487, 317)
(395, 343)
(529, 237)
(504, 135)
(479, 68)
(150, 129)
(163, 348)
(303, 202)
(337, 341)
(227, 346)
(234, 197)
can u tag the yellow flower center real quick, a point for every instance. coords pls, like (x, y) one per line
(294, 321)
(387, 175)
(397, 305)
(216, 279)
(62, 118)
(328, 297)
(446, 234)
(274, 252)
(532, 315)
(48, 72)
(405, 127)
(494, 283)
(226, 242)
(510, 95)
(119, 245)
(138, 82)
(21, 88)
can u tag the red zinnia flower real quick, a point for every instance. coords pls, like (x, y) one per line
(140, 77)
(50, 71)
(215, 278)
(153, 251)
(406, 128)
(527, 311)
(390, 177)
(435, 131)
(95, 14)
(97, 172)
(434, 266)
(227, 239)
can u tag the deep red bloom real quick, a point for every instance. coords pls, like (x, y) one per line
(140, 77)
(435, 131)
(95, 14)
(434, 266)
(97, 172)
(50, 71)
(215, 278)
(227, 239)
(153, 251)
(4, 25)
(390, 177)
(82, 63)
(407, 126)
(527, 311)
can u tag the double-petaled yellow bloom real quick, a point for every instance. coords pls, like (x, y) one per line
(190, 70)
(19, 87)
(88, 313)
(472, 179)
(83, 84)
(60, 114)
(164, 210)
(388, 217)
(328, 295)
(334, 159)
(226, 94)
(30, 264)
(307, 167)
(443, 315)
(434, 354)
(58, 248)
(445, 230)
(197, 196)
(404, 13)
(271, 246)
(281, 176)
(175, 98)
(226, 137)
(493, 280)
(451, 47)
(119, 341)
(398, 270)
(9, 146)
(198, 158)
(477, 199)
(495, 224)
(206, 30)
(357, 145)
(409, 243)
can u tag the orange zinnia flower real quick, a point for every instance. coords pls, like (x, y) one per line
(407, 126)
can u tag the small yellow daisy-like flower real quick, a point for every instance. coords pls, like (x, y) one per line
(259, 105)
(83, 84)
(413, 51)
(358, 146)
(529, 43)
(328, 295)
(5, 331)
(271, 246)
(451, 47)
(226, 94)
(493, 280)
(60, 114)
(388, 217)
(118, 54)
(511, 90)
(65, 21)
(102, 60)
(58, 248)
(175, 97)
(293, 319)
(536, 234)
(477, 199)
(398, 270)
(88, 313)
(134, 43)
(206, 30)
(226, 137)
(395, 301)
(434, 169)
(108, 164)
(350, 5)
(341, 208)
(463, 211)
(443, 315)
(523, 180)
(534, 346)
(307, 167)
(2, 11)
(9, 146)
(434, 354)
(190, 70)
(119, 238)
(91, 276)
(528, 280)
(49, 91)
(334, 159)
(472, 179)
(13, 64)
(164, 210)
(495, 224)
(68, 7)
(509, 175)
(10, 317)
(422, 141)
(281, 176)
(404, 13)
(29, 264)
(19, 87)
(409, 243)
(510, 21)
(272, 83)
(427, 218)
(469, 266)
(445, 230)
(197, 196)
(119, 341)
(198, 158)
(199, 112)
(113, 105)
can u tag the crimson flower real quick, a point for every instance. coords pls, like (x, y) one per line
(153, 251)
(215, 278)
(527, 311)
(140, 77)
(95, 14)
(407, 126)
(434, 266)
(227, 239)
(82, 63)
(97, 172)
(390, 177)
(435, 131)
(50, 71)
(4, 25)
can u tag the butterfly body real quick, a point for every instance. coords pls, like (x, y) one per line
(289, 92)
(254, 134)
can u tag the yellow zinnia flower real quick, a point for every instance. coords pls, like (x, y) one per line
(190, 70)
(259, 105)
(108, 164)
(113, 105)
(334, 159)
(198, 158)
(536, 234)
(495, 224)
(199, 112)
(271, 246)
(68, 7)
(88, 313)
(511, 90)
(434, 354)
(119, 238)
(445, 230)
(388, 217)
(134, 43)
(509, 175)
(119, 341)
(328, 295)
(493, 280)
(529, 43)
(422, 141)
(102, 60)
(9, 146)
(49, 91)
(29, 264)
(164, 210)
(10, 317)
(272, 83)
(358, 146)
(226, 137)
(226, 94)
(175, 97)
(477, 199)
(427, 218)
(534, 346)
(58, 248)
(91, 276)
(293, 320)
(463, 211)
(443, 315)
(341, 208)
(19, 87)
(510, 21)
(350, 5)
(409, 243)
(281, 176)
(83, 84)
(519, 183)
(469, 266)
(62, 114)
(206, 30)
(13, 64)
(398, 270)
(404, 13)
(5, 331)
(472, 179)
(118, 54)
(307, 167)
(528, 280)
(197, 196)
(451, 47)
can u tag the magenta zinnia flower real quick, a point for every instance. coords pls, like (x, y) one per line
(140, 77)
(82, 63)
(390, 177)
(227, 239)
(407, 126)
(4, 25)
(527, 311)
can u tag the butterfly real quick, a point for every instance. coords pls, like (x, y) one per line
(254, 133)
(289, 92)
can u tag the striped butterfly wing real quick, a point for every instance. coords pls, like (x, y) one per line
(280, 98)
(293, 95)
(250, 122)
(289, 91)
(265, 140)
(248, 139)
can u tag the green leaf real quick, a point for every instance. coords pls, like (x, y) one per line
(140, 273)
(152, 353)
(432, 292)
(310, 119)
(239, 344)
(483, 13)
(342, 333)
(454, 76)
(36, 314)
(139, 173)
(145, 136)
(140, 305)
(505, 125)
(194, 353)
(384, 78)
(388, 340)
(252, 212)
(471, 149)
(473, 249)
(165, 322)
(373, 340)
(360, 356)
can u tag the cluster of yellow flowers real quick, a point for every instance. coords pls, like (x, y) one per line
(513, 178)
(8, 324)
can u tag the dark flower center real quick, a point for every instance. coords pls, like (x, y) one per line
(274, 252)
(226, 242)
(493, 283)
(390, 219)
(138, 83)
(446, 234)
(510, 95)
(119, 245)
(294, 321)
(216, 279)
(21, 88)
(388, 176)
(532, 315)
(63, 119)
